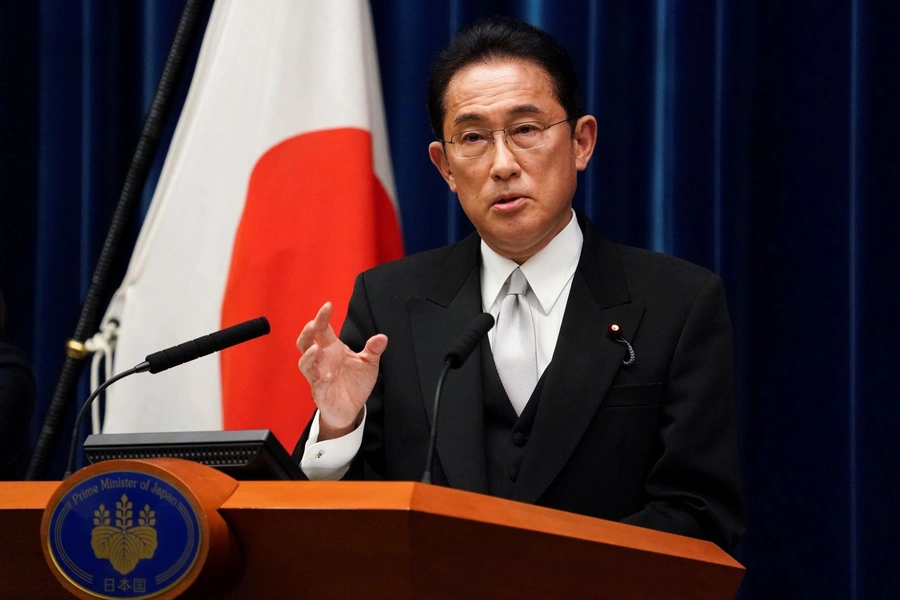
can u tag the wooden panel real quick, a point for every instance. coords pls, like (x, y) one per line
(323, 553)
(408, 540)
(485, 509)
(22, 568)
(457, 556)
(460, 544)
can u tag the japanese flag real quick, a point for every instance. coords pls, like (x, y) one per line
(276, 191)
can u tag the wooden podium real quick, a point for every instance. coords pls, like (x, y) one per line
(385, 540)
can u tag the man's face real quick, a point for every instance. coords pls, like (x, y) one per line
(517, 200)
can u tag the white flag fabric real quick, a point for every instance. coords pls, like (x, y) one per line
(276, 191)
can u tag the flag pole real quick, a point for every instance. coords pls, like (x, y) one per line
(135, 179)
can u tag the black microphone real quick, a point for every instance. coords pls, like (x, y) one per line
(172, 357)
(468, 340)
(207, 344)
(454, 359)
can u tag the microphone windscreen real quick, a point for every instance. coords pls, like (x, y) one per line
(240, 333)
(207, 344)
(469, 339)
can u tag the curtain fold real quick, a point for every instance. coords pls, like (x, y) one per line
(757, 139)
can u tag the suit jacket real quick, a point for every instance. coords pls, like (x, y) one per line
(652, 444)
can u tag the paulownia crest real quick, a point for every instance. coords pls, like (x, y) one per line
(125, 544)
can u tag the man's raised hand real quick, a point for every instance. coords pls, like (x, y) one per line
(341, 380)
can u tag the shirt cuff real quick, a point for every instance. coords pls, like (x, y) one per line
(330, 460)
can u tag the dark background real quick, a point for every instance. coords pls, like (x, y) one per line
(759, 139)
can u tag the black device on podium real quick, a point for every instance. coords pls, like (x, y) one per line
(245, 455)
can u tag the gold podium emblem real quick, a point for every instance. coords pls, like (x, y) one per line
(124, 545)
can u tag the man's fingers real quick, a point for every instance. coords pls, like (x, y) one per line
(306, 337)
(310, 368)
(318, 330)
(374, 347)
(324, 333)
(308, 361)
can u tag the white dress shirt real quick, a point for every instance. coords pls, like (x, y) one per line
(549, 274)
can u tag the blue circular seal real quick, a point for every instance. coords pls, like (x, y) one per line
(124, 534)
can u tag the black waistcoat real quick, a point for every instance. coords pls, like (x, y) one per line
(505, 434)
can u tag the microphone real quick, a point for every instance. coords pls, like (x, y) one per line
(207, 344)
(172, 357)
(454, 359)
(468, 340)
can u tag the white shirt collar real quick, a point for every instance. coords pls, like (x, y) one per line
(547, 272)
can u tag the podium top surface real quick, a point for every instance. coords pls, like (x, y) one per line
(435, 500)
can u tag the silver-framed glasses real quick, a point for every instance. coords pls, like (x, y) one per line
(519, 137)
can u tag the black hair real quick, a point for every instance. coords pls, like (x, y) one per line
(495, 38)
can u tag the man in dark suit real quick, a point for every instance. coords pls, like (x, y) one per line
(612, 396)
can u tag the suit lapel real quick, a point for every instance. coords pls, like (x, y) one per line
(599, 296)
(451, 300)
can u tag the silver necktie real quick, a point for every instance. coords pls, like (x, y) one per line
(515, 352)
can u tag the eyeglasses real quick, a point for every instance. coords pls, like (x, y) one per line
(527, 135)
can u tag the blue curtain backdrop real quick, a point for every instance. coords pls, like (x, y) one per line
(759, 139)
